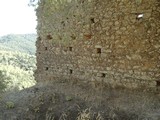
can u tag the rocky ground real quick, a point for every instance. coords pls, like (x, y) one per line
(63, 100)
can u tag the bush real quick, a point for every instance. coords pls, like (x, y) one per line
(10, 105)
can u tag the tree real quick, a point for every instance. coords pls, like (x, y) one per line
(2, 81)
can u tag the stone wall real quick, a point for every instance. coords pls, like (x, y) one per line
(112, 41)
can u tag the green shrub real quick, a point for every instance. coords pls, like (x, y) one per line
(10, 105)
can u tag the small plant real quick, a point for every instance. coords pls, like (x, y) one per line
(69, 98)
(36, 109)
(10, 105)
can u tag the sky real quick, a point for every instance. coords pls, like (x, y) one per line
(16, 17)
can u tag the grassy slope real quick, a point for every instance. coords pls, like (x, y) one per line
(63, 100)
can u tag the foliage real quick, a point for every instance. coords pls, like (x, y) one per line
(17, 69)
(17, 61)
(10, 105)
(69, 98)
(2, 81)
(24, 43)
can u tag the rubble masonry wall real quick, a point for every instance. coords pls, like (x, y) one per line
(112, 41)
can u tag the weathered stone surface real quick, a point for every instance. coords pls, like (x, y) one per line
(95, 40)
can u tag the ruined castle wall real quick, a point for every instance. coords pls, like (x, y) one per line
(99, 41)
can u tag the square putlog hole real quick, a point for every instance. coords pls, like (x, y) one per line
(70, 71)
(70, 49)
(47, 68)
(92, 20)
(158, 83)
(49, 37)
(99, 50)
(103, 75)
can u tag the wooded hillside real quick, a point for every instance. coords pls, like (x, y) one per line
(21, 42)
(17, 61)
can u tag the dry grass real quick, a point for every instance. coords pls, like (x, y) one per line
(84, 115)
(60, 101)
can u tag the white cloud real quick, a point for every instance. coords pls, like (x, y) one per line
(16, 17)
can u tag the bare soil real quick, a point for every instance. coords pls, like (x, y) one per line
(63, 100)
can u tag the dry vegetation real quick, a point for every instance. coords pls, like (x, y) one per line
(67, 101)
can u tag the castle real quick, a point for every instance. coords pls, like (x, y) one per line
(116, 42)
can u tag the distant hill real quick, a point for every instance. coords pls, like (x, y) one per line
(19, 42)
